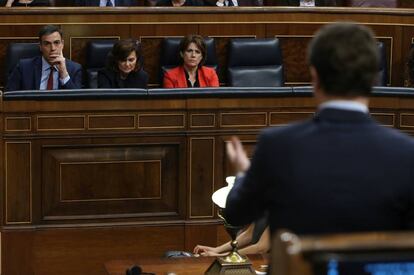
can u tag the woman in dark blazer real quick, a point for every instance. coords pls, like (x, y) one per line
(179, 3)
(191, 73)
(124, 67)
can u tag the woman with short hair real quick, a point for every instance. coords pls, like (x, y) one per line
(124, 69)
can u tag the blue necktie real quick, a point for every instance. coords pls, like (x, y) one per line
(109, 3)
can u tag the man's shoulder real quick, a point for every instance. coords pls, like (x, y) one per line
(396, 136)
(73, 64)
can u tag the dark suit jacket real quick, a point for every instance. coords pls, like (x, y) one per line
(28, 72)
(110, 79)
(338, 172)
(95, 3)
(175, 78)
(320, 3)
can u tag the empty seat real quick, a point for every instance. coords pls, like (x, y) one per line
(382, 79)
(17, 51)
(96, 56)
(255, 63)
(170, 54)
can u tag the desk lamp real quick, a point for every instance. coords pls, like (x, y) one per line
(233, 263)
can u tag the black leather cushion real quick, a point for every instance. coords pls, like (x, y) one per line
(255, 63)
(170, 54)
(17, 51)
(382, 79)
(81, 94)
(96, 56)
(221, 92)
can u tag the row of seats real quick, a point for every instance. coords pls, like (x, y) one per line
(251, 62)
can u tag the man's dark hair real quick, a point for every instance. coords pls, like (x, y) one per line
(346, 58)
(198, 41)
(49, 29)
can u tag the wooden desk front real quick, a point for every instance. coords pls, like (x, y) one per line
(89, 180)
(178, 266)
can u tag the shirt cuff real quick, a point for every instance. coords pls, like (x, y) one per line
(64, 81)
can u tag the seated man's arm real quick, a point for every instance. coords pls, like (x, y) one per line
(75, 81)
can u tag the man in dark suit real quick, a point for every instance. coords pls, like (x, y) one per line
(105, 3)
(318, 3)
(50, 71)
(339, 171)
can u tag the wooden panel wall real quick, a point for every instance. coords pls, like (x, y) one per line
(293, 26)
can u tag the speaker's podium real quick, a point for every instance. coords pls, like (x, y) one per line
(376, 253)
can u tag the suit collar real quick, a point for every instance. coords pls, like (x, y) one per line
(350, 105)
(342, 116)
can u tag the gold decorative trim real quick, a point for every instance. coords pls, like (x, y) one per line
(401, 118)
(86, 37)
(190, 181)
(100, 162)
(112, 128)
(292, 113)
(18, 118)
(207, 22)
(161, 127)
(205, 114)
(234, 36)
(30, 181)
(242, 125)
(18, 37)
(159, 36)
(385, 114)
(60, 116)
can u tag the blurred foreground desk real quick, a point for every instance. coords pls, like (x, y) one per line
(179, 266)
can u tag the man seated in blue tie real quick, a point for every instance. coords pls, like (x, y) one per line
(105, 3)
(49, 71)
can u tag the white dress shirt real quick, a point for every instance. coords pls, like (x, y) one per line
(307, 3)
(348, 105)
(226, 3)
(103, 3)
(45, 76)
